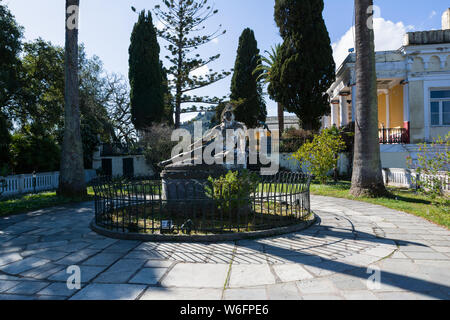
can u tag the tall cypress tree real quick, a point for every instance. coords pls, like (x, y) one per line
(306, 68)
(245, 89)
(145, 74)
(168, 99)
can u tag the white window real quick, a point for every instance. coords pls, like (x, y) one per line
(440, 107)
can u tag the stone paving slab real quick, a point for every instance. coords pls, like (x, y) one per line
(57, 289)
(329, 260)
(97, 291)
(28, 287)
(191, 275)
(6, 285)
(283, 291)
(181, 294)
(291, 272)
(359, 295)
(250, 276)
(150, 276)
(102, 259)
(42, 272)
(316, 286)
(245, 294)
(48, 254)
(87, 274)
(121, 271)
(9, 257)
(23, 265)
(16, 297)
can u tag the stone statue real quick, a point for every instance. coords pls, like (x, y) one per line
(229, 136)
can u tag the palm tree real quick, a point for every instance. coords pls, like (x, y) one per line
(263, 70)
(367, 177)
(72, 180)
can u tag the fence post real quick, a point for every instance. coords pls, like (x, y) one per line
(55, 180)
(20, 182)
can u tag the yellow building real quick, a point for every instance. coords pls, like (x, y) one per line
(413, 85)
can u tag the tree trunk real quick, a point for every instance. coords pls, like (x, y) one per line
(72, 179)
(179, 93)
(367, 178)
(280, 118)
(178, 106)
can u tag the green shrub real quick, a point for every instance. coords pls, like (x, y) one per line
(432, 167)
(158, 144)
(33, 151)
(347, 133)
(292, 139)
(321, 155)
(233, 190)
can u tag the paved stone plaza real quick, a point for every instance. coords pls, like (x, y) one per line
(330, 260)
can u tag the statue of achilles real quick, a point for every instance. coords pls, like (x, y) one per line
(230, 131)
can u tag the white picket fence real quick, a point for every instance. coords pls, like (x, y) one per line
(404, 178)
(47, 181)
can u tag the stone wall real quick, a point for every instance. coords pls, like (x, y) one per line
(416, 100)
(427, 37)
(141, 168)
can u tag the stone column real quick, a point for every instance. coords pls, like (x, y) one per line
(343, 110)
(354, 88)
(388, 120)
(332, 120)
(406, 116)
(335, 115)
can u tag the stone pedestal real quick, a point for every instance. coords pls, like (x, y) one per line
(183, 181)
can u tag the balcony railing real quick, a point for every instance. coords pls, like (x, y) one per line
(393, 136)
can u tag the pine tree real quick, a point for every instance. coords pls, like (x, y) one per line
(246, 91)
(145, 74)
(182, 21)
(306, 68)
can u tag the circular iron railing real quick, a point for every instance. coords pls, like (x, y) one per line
(141, 205)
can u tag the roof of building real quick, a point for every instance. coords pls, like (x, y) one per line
(427, 37)
(287, 119)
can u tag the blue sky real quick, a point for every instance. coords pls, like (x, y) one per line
(105, 27)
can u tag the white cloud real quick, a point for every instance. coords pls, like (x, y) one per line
(215, 40)
(432, 14)
(187, 116)
(159, 25)
(200, 72)
(340, 49)
(388, 36)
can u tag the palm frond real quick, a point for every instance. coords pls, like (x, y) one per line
(265, 64)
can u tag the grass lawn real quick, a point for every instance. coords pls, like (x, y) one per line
(31, 202)
(401, 199)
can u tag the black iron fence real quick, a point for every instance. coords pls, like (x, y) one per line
(393, 136)
(143, 205)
